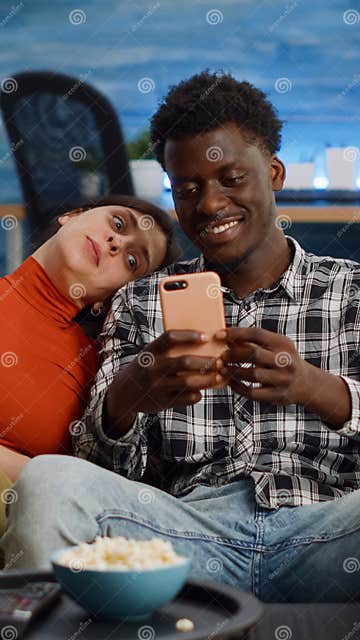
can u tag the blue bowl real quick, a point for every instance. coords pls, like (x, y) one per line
(116, 595)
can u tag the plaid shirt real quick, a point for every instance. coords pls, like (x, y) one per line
(292, 456)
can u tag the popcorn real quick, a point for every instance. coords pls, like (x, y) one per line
(121, 554)
(184, 624)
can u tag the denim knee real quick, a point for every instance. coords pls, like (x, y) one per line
(44, 481)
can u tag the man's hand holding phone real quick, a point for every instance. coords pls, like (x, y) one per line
(274, 362)
(185, 359)
(157, 380)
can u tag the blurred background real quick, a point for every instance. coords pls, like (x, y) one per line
(304, 55)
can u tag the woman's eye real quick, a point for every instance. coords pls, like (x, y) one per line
(119, 223)
(132, 262)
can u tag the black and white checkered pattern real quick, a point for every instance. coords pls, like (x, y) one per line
(292, 456)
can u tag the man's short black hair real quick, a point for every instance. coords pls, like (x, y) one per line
(208, 100)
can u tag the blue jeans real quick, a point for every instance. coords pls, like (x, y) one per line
(293, 554)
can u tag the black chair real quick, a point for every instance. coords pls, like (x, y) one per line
(67, 144)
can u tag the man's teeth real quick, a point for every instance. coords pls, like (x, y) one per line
(221, 227)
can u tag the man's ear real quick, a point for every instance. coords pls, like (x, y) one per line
(278, 173)
(65, 217)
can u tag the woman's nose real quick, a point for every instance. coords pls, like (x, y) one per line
(115, 243)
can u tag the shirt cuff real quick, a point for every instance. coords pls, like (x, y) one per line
(127, 437)
(351, 427)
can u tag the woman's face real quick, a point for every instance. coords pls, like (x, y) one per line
(104, 248)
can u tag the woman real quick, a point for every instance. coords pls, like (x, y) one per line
(47, 362)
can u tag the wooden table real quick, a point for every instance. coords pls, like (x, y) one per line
(12, 216)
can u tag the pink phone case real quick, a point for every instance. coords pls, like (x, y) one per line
(197, 306)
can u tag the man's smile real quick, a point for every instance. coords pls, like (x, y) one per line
(221, 231)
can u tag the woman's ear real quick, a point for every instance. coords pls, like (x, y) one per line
(278, 173)
(65, 217)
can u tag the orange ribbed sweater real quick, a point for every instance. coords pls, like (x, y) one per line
(47, 363)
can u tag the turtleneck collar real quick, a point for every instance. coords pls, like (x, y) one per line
(34, 285)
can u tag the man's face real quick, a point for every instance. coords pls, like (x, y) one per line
(223, 192)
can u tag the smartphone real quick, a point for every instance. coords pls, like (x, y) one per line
(194, 301)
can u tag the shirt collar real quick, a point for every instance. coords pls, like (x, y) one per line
(293, 279)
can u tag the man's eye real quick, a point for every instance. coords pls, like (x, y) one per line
(184, 192)
(233, 179)
(119, 223)
(132, 262)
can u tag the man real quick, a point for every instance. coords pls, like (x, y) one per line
(258, 456)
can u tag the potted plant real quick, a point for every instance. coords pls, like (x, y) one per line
(92, 178)
(146, 172)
